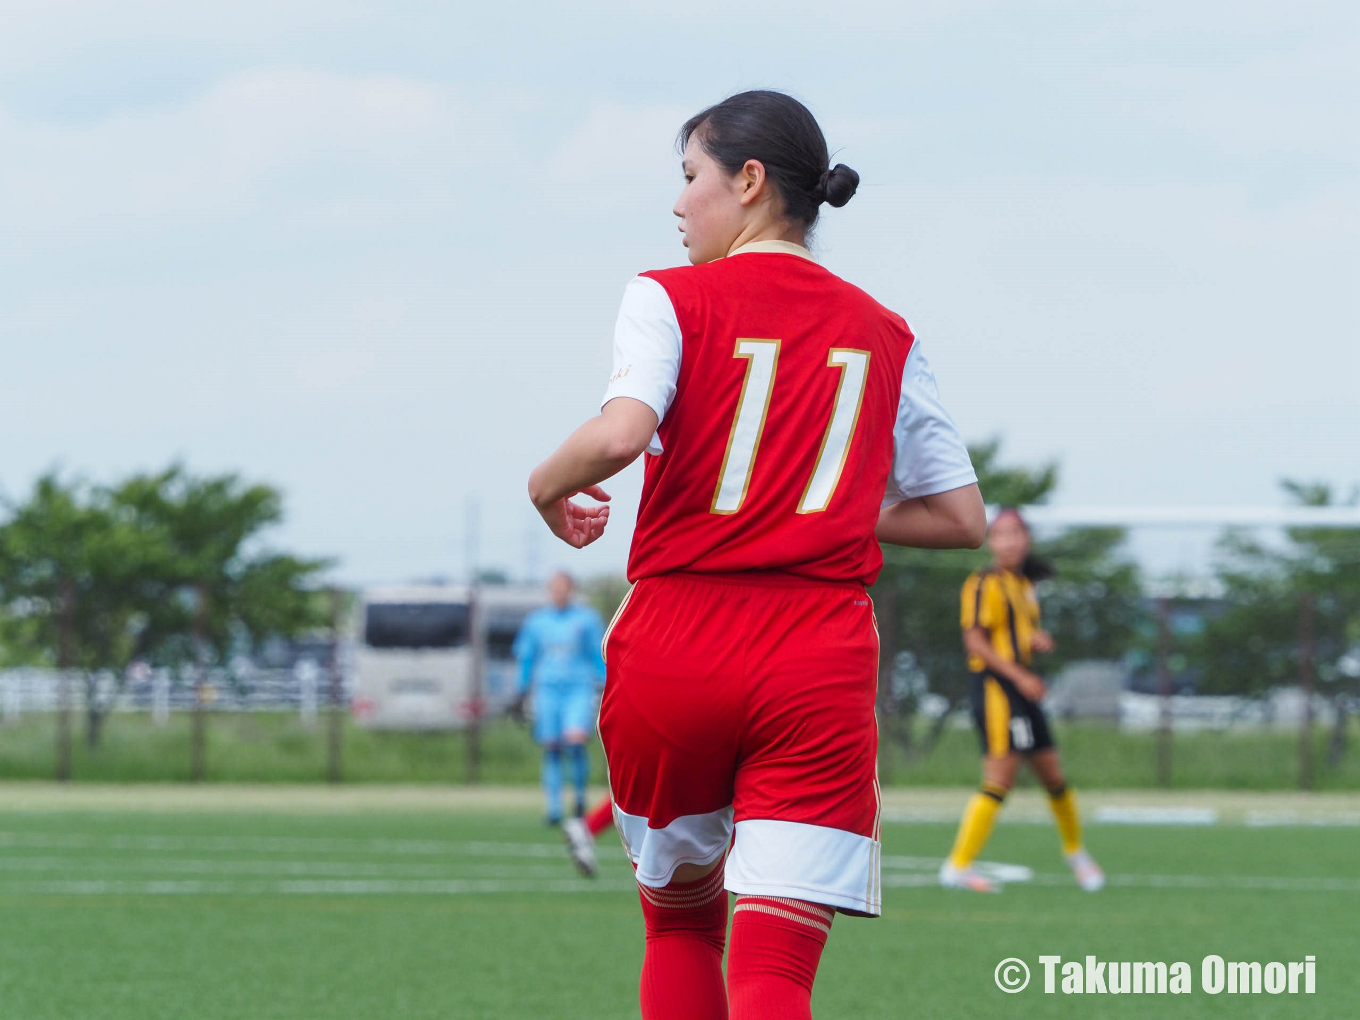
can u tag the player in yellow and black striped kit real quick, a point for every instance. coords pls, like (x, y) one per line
(1001, 632)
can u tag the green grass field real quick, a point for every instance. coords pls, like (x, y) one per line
(262, 747)
(118, 910)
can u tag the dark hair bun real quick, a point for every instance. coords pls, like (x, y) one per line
(838, 185)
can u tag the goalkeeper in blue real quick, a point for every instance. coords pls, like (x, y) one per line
(558, 652)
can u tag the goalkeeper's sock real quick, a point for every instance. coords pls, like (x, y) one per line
(1064, 804)
(580, 772)
(776, 946)
(682, 976)
(552, 781)
(975, 829)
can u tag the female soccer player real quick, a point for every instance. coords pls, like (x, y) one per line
(790, 423)
(1000, 618)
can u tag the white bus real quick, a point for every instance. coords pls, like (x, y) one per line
(414, 654)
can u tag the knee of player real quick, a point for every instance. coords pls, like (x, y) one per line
(995, 790)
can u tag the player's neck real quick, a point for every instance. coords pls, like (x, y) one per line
(769, 231)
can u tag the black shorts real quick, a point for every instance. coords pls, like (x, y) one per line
(1006, 720)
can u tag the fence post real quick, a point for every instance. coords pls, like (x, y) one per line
(477, 648)
(1164, 691)
(308, 675)
(160, 697)
(198, 737)
(1306, 686)
(335, 720)
(65, 662)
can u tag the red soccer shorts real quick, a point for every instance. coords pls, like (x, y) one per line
(737, 699)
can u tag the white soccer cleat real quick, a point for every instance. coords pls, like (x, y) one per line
(965, 878)
(581, 845)
(1087, 871)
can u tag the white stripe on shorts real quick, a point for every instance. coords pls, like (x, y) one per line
(689, 839)
(806, 862)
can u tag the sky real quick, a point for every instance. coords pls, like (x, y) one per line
(372, 252)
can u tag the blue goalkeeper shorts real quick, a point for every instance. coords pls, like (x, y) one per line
(562, 710)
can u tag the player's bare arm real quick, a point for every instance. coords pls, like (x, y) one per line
(976, 642)
(955, 519)
(599, 449)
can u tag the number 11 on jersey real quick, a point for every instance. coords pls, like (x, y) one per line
(754, 403)
(840, 429)
(753, 406)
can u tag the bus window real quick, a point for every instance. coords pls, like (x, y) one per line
(502, 625)
(416, 625)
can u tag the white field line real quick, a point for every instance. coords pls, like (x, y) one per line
(319, 887)
(468, 887)
(1114, 814)
(285, 844)
(22, 874)
(1265, 883)
(1270, 819)
(276, 868)
(921, 871)
(912, 880)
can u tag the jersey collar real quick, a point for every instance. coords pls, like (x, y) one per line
(777, 247)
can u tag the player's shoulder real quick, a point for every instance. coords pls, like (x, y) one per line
(681, 280)
(983, 575)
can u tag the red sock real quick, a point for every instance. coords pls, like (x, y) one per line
(776, 946)
(600, 817)
(682, 970)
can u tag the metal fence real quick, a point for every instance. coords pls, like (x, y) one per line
(304, 689)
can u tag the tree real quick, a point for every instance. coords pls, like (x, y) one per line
(164, 568)
(69, 566)
(214, 589)
(1091, 606)
(1253, 646)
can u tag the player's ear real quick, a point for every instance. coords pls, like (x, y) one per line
(750, 181)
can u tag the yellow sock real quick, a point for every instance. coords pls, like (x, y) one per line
(978, 818)
(1064, 805)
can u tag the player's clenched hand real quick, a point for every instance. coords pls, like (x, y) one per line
(574, 524)
(1042, 642)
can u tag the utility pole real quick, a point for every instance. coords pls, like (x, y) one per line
(476, 688)
(533, 560)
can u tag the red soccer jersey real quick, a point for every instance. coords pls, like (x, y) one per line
(777, 446)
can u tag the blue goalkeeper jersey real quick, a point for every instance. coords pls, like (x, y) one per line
(560, 648)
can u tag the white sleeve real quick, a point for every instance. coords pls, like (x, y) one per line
(646, 350)
(929, 455)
